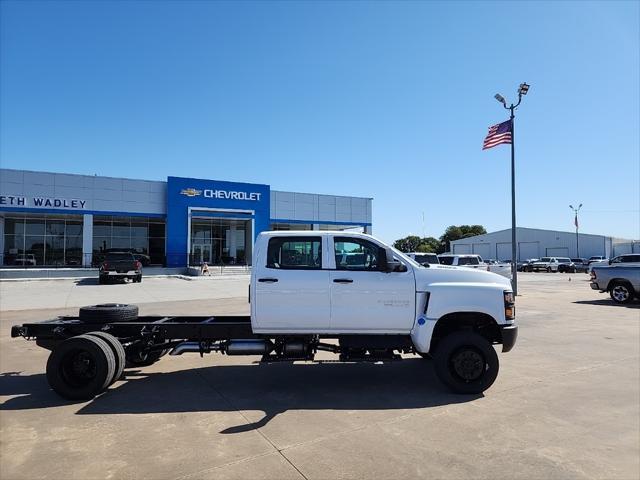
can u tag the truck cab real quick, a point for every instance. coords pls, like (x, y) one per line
(342, 285)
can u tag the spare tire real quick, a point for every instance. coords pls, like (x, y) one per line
(108, 312)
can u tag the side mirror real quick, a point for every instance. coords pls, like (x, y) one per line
(392, 264)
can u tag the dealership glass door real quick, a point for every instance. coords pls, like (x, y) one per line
(220, 240)
(201, 253)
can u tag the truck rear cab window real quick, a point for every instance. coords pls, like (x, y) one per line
(295, 253)
(358, 254)
(468, 261)
(446, 260)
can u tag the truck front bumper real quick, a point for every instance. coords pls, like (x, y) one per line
(509, 336)
(594, 286)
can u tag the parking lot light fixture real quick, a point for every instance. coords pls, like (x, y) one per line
(522, 90)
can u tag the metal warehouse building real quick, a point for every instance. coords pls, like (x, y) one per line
(536, 243)
(53, 219)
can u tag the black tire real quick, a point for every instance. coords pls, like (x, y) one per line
(101, 280)
(621, 292)
(466, 362)
(139, 278)
(80, 367)
(108, 312)
(548, 269)
(118, 353)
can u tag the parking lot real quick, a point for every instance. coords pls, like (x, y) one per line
(566, 403)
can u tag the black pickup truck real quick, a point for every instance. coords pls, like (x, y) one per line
(118, 265)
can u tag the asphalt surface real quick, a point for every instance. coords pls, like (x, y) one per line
(566, 403)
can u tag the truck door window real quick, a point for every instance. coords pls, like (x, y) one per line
(295, 253)
(357, 254)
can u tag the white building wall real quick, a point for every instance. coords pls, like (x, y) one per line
(536, 243)
(106, 194)
(317, 209)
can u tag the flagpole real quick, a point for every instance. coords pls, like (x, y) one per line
(575, 222)
(524, 88)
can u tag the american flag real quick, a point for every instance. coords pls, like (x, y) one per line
(500, 133)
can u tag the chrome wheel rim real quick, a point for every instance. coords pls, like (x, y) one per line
(620, 293)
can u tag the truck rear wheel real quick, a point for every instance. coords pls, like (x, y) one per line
(108, 312)
(118, 352)
(621, 292)
(80, 367)
(466, 362)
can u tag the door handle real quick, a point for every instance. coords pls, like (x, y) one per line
(342, 280)
(267, 280)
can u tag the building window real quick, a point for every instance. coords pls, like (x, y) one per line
(42, 240)
(142, 236)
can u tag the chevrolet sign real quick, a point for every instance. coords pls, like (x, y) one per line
(225, 194)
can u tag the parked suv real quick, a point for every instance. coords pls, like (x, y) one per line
(596, 258)
(545, 264)
(566, 265)
(581, 264)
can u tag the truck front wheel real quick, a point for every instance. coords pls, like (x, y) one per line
(466, 362)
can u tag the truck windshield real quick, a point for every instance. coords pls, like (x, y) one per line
(402, 257)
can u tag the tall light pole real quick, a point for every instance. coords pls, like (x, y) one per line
(522, 90)
(575, 221)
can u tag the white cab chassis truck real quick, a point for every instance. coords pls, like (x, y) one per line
(310, 291)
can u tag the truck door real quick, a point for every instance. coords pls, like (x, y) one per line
(292, 289)
(365, 298)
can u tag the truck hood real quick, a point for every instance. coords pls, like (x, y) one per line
(450, 274)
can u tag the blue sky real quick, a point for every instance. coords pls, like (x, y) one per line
(384, 100)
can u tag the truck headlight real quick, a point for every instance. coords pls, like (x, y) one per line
(509, 306)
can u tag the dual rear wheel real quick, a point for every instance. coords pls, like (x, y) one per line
(82, 367)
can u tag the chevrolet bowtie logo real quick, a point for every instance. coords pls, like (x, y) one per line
(190, 192)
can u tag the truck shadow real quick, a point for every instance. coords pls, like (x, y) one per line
(272, 389)
(607, 302)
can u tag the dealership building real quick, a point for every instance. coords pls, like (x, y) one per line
(55, 219)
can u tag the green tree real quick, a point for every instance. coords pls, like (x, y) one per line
(413, 243)
(408, 244)
(454, 232)
(428, 244)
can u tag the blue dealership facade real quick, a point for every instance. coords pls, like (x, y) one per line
(56, 219)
